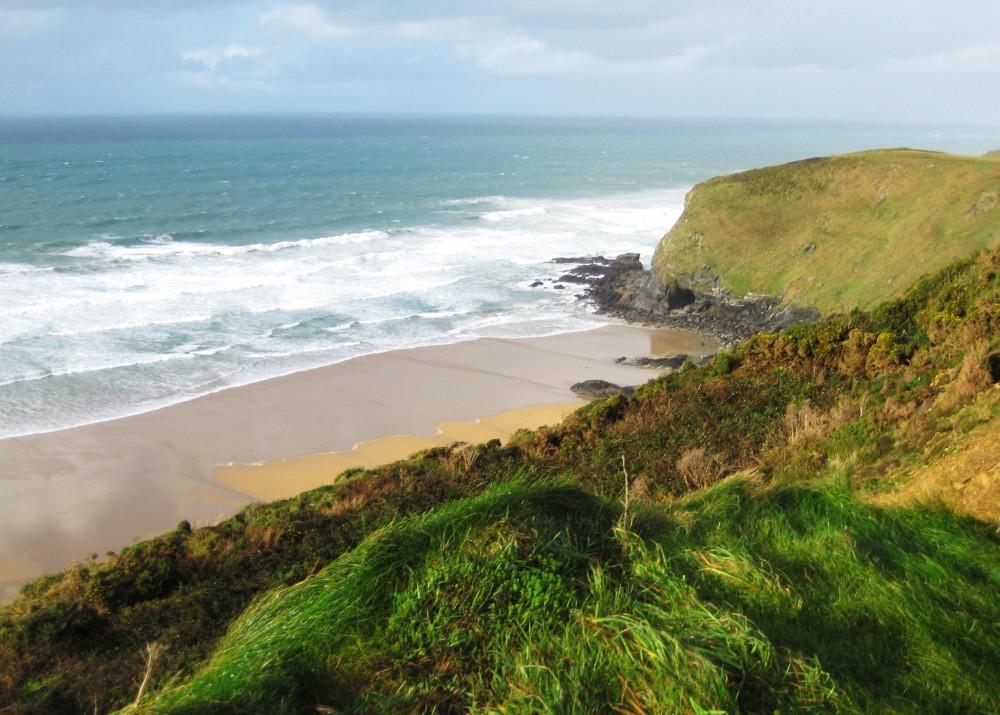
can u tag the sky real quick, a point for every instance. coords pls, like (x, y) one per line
(884, 60)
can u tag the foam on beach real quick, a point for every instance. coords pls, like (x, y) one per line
(122, 325)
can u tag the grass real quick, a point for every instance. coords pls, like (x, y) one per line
(530, 599)
(835, 233)
(752, 571)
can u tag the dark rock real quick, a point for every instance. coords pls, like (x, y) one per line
(701, 303)
(559, 287)
(582, 259)
(600, 388)
(698, 302)
(536, 284)
(673, 361)
(574, 278)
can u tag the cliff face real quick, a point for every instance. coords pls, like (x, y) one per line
(622, 288)
(824, 235)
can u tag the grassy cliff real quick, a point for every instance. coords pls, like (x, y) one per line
(833, 233)
(807, 523)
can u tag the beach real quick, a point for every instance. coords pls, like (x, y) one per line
(72, 493)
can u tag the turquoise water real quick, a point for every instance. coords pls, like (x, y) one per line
(148, 261)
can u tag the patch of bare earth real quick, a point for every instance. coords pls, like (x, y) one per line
(967, 479)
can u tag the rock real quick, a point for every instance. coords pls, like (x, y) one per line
(673, 362)
(600, 388)
(987, 202)
(623, 288)
(536, 284)
(582, 259)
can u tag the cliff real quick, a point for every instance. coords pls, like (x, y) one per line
(773, 247)
(832, 233)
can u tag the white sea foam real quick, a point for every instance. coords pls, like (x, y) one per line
(513, 213)
(474, 201)
(140, 324)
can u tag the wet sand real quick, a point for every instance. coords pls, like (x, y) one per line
(67, 494)
(283, 478)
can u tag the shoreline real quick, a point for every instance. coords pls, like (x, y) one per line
(170, 403)
(102, 486)
(284, 478)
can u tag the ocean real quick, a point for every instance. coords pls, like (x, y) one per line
(147, 261)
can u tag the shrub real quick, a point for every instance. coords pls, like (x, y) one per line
(698, 468)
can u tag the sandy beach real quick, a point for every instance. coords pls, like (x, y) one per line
(68, 494)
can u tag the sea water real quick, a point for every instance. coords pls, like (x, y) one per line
(147, 261)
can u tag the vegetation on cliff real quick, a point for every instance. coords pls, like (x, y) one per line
(741, 536)
(833, 233)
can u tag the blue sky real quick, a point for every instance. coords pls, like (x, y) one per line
(845, 59)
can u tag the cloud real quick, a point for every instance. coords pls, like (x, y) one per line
(232, 65)
(307, 21)
(211, 58)
(520, 54)
(21, 24)
(966, 59)
(480, 55)
(485, 41)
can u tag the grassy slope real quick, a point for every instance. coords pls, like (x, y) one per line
(839, 232)
(752, 571)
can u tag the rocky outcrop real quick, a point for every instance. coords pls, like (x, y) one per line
(771, 247)
(624, 289)
(597, 389)
(672, 362)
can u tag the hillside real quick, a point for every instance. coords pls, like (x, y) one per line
(832, 233)
(785, 528)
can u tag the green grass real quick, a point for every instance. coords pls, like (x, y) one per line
(534, 599)
(875, 221)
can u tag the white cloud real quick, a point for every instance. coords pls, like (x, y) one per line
(977, 57)
(21, 24)
(520, 54)
(308, 21)
(230, 66)
(484, 40)
(212, 57)
(689, 58)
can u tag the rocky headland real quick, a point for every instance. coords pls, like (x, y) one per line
(623, 288)
(765, 249)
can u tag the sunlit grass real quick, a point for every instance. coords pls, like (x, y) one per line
(533, 599)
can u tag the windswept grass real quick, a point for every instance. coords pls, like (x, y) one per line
(534, 599)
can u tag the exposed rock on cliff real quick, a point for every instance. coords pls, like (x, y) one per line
(623, 288)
